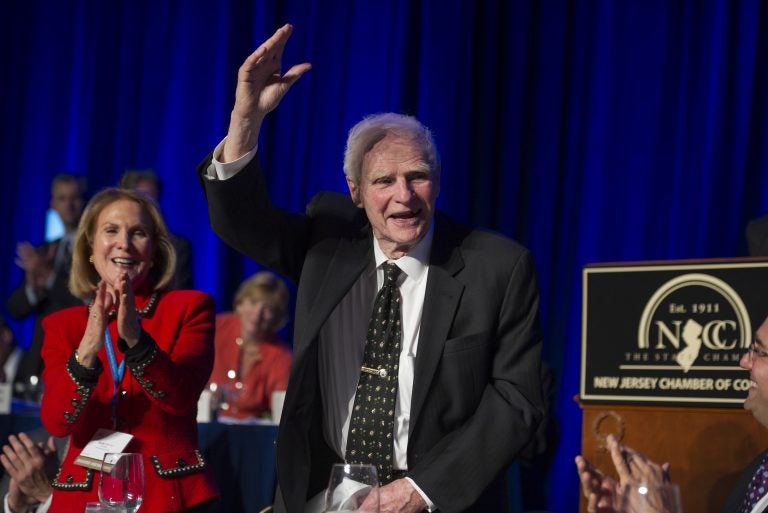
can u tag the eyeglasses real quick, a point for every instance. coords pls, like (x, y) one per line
(754, 351)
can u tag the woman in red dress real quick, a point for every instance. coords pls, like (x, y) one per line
(133, 360)
(251, 360)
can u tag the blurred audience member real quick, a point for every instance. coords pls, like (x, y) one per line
(146, 181)
(757, 236)
(46, 274)
(9, 353)
(251, 361)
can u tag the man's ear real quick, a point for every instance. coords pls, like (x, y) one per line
(354, 191)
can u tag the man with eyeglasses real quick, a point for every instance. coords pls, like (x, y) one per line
(749, 494)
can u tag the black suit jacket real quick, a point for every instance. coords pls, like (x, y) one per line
(739, 490)
(19, 307)
(757, 236)
(476, 393)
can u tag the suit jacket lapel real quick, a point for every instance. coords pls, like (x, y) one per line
(440, 303)
(344, 267)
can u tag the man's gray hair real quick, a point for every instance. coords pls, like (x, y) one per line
(372, 129)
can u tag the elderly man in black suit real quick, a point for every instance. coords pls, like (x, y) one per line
(45, 288)
(464, 360)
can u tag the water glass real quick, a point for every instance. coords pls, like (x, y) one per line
(97, 507)
(122, 481)
(656, 498)
(352, 488)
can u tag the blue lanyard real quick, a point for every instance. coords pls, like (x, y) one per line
(117, 374)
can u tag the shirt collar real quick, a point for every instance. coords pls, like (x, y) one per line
(416, 262)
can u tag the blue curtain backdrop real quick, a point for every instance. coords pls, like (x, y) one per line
(589, 130)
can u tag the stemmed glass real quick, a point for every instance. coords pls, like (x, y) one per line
(122, 480)
(656, 498)
(352, 488)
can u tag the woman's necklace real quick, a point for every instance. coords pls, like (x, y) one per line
(141, 312)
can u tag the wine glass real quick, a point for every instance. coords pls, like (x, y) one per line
(122, 480)
(352, 488)
(655, 498)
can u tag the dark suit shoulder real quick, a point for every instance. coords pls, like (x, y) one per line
(757, 236)
(334, 214)
(739, 490)
(478, 243)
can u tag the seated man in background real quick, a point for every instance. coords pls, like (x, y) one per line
(146, 181)
(749, 494)
(251, 361)
(757, 236)
(46, 275)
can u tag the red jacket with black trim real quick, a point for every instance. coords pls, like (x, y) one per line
(157, 399)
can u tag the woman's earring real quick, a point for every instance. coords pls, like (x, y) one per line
(90, 259)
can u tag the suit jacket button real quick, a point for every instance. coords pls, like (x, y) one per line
(70, 479)
(181, 463)
(123, 393)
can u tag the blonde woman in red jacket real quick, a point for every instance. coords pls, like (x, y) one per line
(251, 360)
(134, 359)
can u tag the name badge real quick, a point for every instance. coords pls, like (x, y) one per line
(103, 441)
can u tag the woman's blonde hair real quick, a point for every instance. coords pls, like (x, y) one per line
(267, 287)
(83, 278)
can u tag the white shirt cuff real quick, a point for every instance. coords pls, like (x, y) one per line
(224, 171)
(430, 505)
(31, 295)
(40, 508)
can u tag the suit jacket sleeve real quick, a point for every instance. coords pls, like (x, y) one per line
(242, 215)
(18, 304)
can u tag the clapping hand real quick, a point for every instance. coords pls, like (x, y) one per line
(603, 493)
(98, 318)
(26, 463)
(37, 265)
(127, 320)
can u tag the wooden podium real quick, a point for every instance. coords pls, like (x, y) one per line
(706, 447)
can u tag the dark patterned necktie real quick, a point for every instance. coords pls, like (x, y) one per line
(373, 416)
(758, 486)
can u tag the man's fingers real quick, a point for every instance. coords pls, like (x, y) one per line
(296, 72)
(276, 44)
(270, 51)
(621, 457)
(7, 464)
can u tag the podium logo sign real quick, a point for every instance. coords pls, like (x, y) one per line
(695, 317)
(669, 333)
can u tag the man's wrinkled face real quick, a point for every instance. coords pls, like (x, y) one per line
(398, 191)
